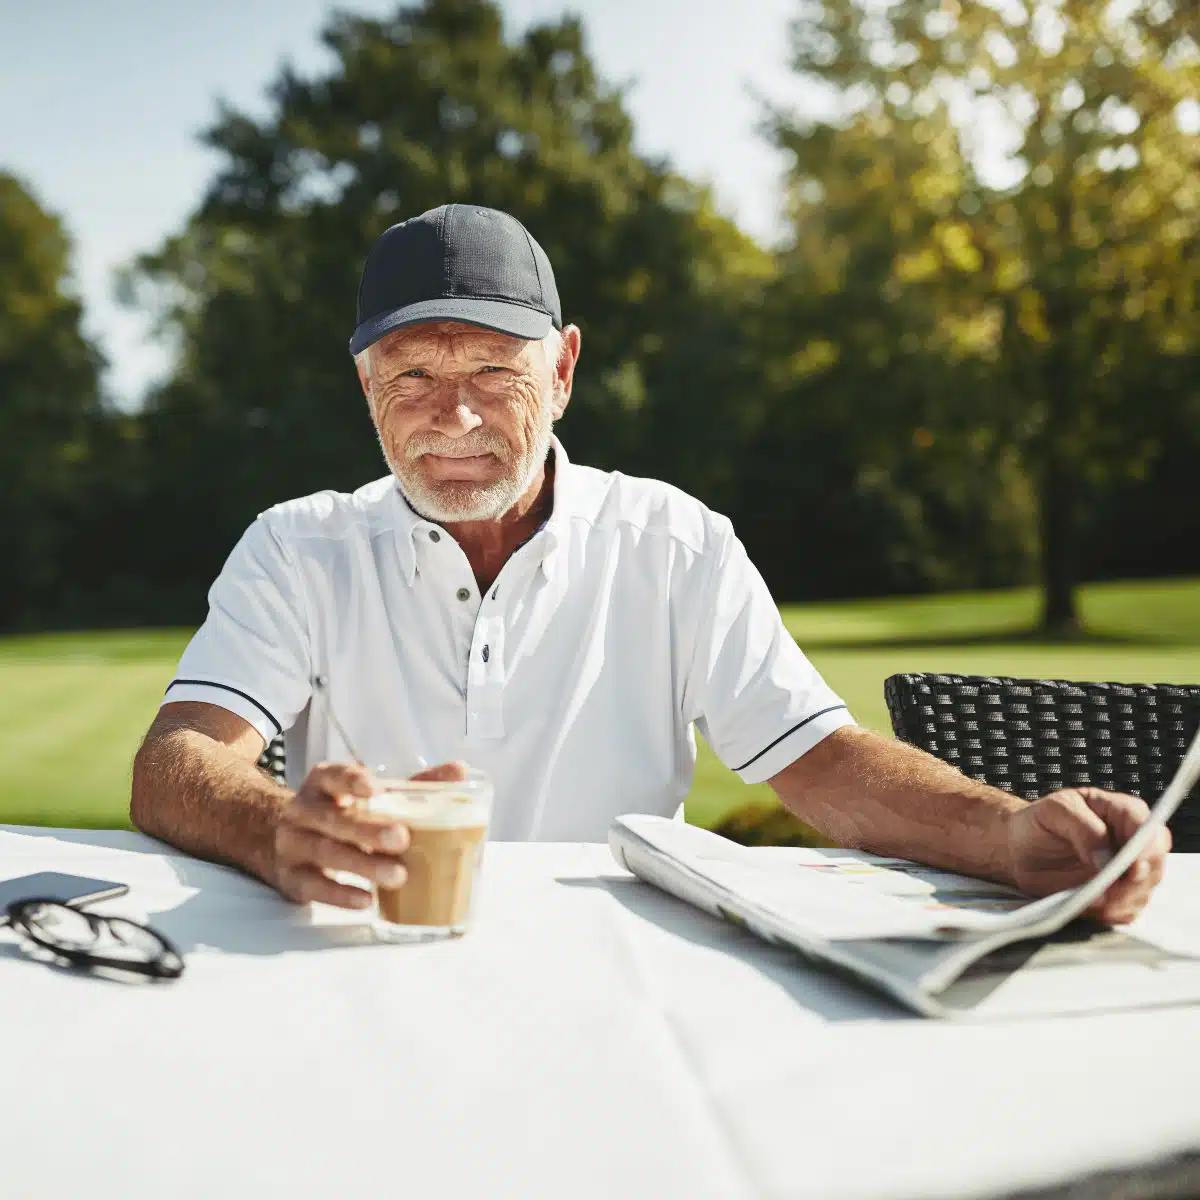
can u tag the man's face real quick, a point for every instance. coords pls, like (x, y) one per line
(464, 414)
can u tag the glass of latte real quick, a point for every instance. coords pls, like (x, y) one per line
(447, 825)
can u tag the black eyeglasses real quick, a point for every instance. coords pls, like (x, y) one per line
(89, 940)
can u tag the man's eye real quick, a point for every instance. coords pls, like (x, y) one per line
(414, 373)
(491, 370)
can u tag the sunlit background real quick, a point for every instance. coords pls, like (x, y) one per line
(909, 290)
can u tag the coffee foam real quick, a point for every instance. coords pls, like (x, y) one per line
(432, 810)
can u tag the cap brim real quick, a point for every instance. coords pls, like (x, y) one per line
(513, 319)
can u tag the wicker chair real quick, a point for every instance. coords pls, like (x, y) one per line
(1032, 736)
(273, 761)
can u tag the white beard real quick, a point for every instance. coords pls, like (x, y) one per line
(462, 500)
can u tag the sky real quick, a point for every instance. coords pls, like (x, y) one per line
(102, 104)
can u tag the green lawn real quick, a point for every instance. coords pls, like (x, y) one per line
(72, 706)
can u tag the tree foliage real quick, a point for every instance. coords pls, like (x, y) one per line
(974, 354)
(48, 400)
(430, 106)
(997, 240)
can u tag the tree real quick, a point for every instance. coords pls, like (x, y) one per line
(900, 498)
(429, 106)
(49, 400)
(1021, 179)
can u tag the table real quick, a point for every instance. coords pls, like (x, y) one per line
(590, 1038)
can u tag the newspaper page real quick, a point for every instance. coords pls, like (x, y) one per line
(941, 943)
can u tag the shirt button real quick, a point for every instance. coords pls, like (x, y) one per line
(463, 594)
(434, 536)
(486, 651)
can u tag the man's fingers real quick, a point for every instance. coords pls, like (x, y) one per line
(1128, 896)
(307, 884)
(338, 780)
(313, 808)
(326, 827)
(1152, 858)
(371, 831)
(300, 846)
(1160, 845)
(1071, 819)
(451, 772)
(1123, 815)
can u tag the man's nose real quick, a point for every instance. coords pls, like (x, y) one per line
(455, 417)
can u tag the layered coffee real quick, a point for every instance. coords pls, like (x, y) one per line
(441, 865)
(447, 826)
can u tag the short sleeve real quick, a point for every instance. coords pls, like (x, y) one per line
(750, 690)
(251, 655)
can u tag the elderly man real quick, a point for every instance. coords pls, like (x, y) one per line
(491, 602)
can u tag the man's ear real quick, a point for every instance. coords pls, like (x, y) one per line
(564, 369)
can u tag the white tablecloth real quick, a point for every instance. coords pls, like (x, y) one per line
(591, 1037)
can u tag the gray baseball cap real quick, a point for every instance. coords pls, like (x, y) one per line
(458, 262)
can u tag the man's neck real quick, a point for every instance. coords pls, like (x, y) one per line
(488, 545)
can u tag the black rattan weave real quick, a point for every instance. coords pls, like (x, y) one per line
(273, 761)
(1033, 736)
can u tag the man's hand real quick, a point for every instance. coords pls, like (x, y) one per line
(866, 791)
(1063, 839)
(324, 827)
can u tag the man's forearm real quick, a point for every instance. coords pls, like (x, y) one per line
(865, 791)
(198, 794)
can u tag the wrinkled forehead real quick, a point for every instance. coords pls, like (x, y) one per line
(448, 340)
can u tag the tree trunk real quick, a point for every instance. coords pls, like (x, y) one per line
(1058, 518)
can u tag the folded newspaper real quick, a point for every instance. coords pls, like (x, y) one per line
(941, 943)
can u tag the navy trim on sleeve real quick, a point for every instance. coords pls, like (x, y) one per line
(831, 708)
(245, 696)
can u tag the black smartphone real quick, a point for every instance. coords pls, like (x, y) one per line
(75, 890)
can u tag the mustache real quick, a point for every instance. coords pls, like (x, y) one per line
(478, 441)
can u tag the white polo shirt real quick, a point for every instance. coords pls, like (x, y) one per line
(575, 681)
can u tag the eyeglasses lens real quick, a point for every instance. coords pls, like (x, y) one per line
(110, 937)
(133, 941)
(63, 926)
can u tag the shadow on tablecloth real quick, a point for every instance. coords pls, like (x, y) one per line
(106, 839)
(822, 993)
(215, 921)
(230, 911)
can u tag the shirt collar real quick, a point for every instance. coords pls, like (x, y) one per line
(553, 533)
(410, 525)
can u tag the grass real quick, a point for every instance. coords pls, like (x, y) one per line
(73, 706)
